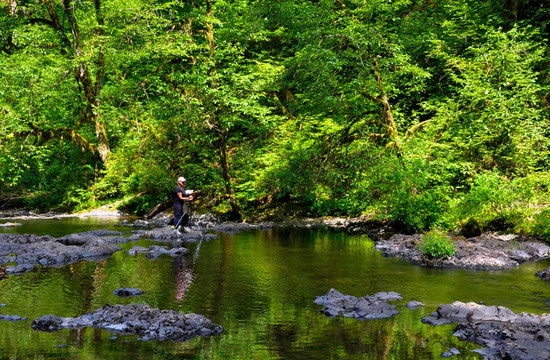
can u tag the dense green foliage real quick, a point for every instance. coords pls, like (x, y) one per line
(419, 113)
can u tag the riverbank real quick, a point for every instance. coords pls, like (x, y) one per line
(489, 251)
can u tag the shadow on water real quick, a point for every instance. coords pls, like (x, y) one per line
(260, 286)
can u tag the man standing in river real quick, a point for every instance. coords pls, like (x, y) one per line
(181, 217)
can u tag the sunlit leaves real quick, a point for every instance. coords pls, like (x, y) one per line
(494, 116)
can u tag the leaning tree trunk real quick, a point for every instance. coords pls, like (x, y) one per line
(386, 116)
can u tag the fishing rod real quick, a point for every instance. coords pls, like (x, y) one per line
(196, 221)
(181, 218)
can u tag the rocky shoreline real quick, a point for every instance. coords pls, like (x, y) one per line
(484, 252)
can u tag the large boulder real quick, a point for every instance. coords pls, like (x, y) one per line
(150, 323)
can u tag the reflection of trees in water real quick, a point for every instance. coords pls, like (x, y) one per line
(184, 276)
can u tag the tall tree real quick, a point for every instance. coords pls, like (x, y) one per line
(75, 44)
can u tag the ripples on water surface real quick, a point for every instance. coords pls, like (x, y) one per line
(260, 287)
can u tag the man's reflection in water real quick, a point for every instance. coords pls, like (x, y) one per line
(184, 276)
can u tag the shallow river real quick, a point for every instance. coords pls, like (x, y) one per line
(260, 286)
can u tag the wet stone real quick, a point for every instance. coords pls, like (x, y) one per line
(414, 304)
(147, 322)
(544, 274)
(128, 292)
(363, 308)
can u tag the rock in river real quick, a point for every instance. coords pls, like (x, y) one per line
(150, 323)
(128, 292)
(367, 307)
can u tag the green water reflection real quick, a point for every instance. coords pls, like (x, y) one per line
(260, 287)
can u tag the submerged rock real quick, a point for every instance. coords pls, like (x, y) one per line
(191, 234)
(139, 319)
(128, 292)
(137, 250)
(451, 352)
(363, 308)
(10, 224)
(154, 251)
(414, 304)
(544, 274)
(502, 333)
(19, 269)
(12, 318)
(485, 252)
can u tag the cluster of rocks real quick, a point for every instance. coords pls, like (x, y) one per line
(168, 234)
(28, 250)
(485, 252)
(11, 317)
(155, 251)
(502, 333)
(363, 308)
(147, 322)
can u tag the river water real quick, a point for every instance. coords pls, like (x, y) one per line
(260, 286)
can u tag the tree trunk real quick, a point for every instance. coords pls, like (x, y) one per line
(386, 116)
(223, 154)
(82, 74)
(222, 133)
(512, 6)
(13, 7)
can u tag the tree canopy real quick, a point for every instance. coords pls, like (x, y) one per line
(430, 113)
